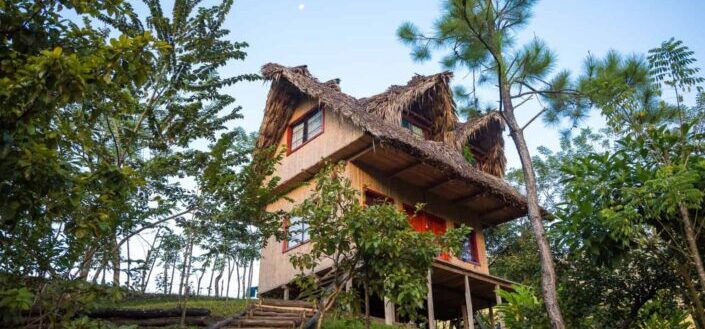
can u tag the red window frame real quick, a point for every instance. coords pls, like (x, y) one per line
(303, 119)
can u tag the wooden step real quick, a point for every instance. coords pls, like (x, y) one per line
(283, 309)
(258, 312)
(286, 303)
(249, 323)
(283, 318)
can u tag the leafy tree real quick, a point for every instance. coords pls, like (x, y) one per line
(649, 181)
(375, 246)
(479, 36)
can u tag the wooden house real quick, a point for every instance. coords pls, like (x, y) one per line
(405, 144)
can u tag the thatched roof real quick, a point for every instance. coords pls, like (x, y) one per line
(484, 135)
(429, 96)
(290, 85)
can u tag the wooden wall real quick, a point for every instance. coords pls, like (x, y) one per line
(275, 268)
(337, 134)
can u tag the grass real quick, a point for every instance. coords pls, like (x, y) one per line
(351, 323)
(218, 306)
(226, 307)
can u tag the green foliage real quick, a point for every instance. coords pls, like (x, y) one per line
(375, 245)
(217, 306)
(521, 309)
(350, 323)
(96, 129)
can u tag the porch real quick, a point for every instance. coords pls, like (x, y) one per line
(456, 294)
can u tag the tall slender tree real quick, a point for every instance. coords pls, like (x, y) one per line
(479, 35)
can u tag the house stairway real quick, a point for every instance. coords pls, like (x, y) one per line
(273, 313)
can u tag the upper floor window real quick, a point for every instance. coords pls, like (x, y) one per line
(415, 125)
(305, 129)
(469, 252)
(297, 232)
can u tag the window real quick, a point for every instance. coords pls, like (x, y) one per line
(414, 128)
(422, 221)
(305, 129)
(469, 252)
(373, 198)
(297, 231)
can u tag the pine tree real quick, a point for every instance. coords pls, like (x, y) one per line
(479, 36)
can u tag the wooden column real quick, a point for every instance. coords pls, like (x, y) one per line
(466, 320)
(388, 312)
(429, 304)
(286, 292)
(499, 302)
(491, 318)
(470, 321)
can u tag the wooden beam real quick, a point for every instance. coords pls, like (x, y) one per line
(361, 153)
(468, 197)
(438, 184)
(491, 212)
(402, 170)
(429, 303)
(470, 322)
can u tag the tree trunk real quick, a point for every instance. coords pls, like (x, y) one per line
(241, 280)
(127, 282)
(86, 263)
(699, 314)
(200, 278)
(249, 280)
(548, 273)
(237, 280)
(187, 265)
(183, 271)
(692, 244)
(115, 252)
(367, 304)
(217, 281)
(173, 274)
(210, 284)
(230, 275)
(153, 261)
(166, 276)
(103, 265)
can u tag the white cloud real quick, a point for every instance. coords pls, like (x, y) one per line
(301, 6)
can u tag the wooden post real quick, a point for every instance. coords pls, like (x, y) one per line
(429, 303)
(388, 312)
(499, 302)
(470, 322)
(491, 318)
(286, 292)
(466, 321)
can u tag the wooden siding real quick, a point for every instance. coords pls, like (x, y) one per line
(275, 268)
(337, 135)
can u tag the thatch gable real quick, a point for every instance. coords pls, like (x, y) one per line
(290, 85)
(428, 96)
(484, 137)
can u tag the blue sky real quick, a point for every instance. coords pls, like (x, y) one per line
(356, 42)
